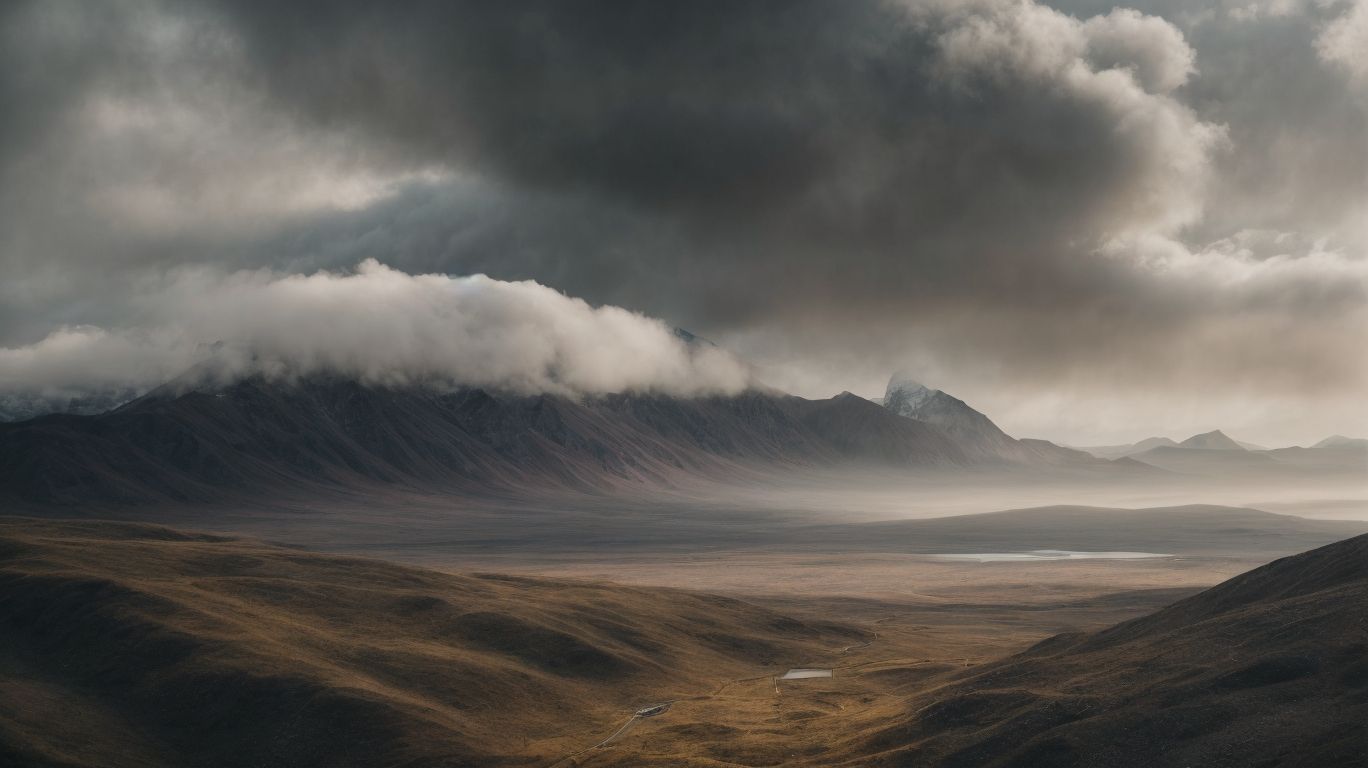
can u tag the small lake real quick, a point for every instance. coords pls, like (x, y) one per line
(1046, 555)
(800, 674)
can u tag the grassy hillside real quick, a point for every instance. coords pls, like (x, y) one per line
(132, 645)
(1269, 668)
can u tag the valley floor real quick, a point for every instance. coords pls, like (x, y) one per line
(112, 622)
(617, 633)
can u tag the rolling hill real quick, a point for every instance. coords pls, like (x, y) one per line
(135, 645)
(1269, 668)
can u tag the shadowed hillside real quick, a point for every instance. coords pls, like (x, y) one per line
(1269, 668)
(132, 645)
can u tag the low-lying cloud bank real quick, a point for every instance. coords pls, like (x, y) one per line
(380, 326)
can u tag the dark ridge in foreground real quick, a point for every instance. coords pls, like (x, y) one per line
(1267, 669)
(256, 437)
(141, 646)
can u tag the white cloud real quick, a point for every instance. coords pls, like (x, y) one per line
(381, 326)
(1264, 259)
(1123, 66)
(1149, 46)
(1344, 41)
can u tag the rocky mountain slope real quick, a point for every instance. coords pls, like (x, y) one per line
(976, 434)
(256, 436)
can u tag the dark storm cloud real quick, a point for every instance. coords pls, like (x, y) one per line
(723, 111)
(999, 192)
(696, 106)
(865, 150)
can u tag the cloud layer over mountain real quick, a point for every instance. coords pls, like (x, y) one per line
(381, 326)
(1088, 220)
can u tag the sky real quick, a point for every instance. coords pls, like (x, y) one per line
(1094, 223)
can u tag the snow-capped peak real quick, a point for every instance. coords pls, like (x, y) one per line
(907, 392)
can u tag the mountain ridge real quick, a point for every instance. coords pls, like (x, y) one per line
(1215, 440)
(976, 433)
(195, 445)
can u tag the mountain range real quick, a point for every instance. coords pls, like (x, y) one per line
(1211, 453)
(1217, 454)
(255, 435)
(976, 434)
(200, 441)
(1215, 440)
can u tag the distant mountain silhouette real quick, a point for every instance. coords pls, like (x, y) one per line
(1215, 440)
(1128, 449)
(976, 434)
(1152, 442)
(1340, 441)
(1208, 461)
(1216, 454)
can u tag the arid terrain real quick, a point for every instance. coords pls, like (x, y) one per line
(138, 645)
(1268, 668)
